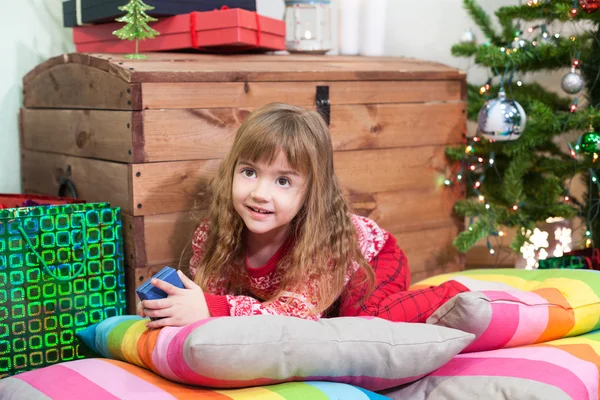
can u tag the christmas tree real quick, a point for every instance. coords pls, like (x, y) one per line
(136, 27)
(518, 169)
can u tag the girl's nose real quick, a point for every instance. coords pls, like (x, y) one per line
(261, 192)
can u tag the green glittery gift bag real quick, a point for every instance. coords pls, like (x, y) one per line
(61, 270)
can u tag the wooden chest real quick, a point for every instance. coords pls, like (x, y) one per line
(148, 135)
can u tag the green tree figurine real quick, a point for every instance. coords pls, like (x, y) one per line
(136, 27)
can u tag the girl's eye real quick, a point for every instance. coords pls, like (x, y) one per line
(285, 182)
(248, 173)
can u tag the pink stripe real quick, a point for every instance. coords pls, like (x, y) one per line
(175, 356)
(60, 382)
(503, 325)
(533, 319)
(160, 354)
(535, 370)
(117, 381)
(584, 369)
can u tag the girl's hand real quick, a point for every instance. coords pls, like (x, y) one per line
(139, 309)
(181, 307)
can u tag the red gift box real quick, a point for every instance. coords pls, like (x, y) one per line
(26, 200)
(227, 30)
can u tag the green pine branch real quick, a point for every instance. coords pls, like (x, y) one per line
(482, 20)
(513, 178)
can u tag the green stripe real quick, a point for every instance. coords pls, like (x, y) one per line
(115, 338)
(595, 335)
(297, 391)
(588, 276)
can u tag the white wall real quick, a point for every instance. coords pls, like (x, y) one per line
(31, 32)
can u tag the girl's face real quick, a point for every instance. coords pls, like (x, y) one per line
(267, 197)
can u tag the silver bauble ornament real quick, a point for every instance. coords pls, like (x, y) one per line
(572, 82)
(468, 37)
(502, 119)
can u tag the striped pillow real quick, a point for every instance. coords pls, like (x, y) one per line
(230, 352)
(110, 379)
(510, 307)
(564, 369)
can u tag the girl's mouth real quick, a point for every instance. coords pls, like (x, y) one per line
(259, 210)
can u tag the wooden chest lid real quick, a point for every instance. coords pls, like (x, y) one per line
(176, 80)
(182, 67)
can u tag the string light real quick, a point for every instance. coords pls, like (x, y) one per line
(481, 198)
(515, 207)
(572, 151)
(594, 157)
(447, 182)
(566, 198)
(477, 185)
(489, 245)
(574, 104)
(472, 167)
(501, 233)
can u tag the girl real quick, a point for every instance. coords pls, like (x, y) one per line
(280, 238)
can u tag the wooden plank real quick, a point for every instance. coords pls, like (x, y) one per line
(271, 71)
(175, 135)
(409, 210)
(160, 188)
(78, 86)
(95, 181)
(430, 251)
(389, 170)
(191, 134)
(84, 133)
(254, 94)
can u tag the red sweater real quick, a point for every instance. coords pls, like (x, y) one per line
(389, 300)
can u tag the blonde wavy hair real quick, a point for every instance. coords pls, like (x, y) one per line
(325, 239)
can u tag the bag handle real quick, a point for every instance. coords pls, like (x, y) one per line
(48, 270)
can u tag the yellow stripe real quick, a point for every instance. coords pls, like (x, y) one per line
(251, 394)
(130, 341)
(514, 281)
